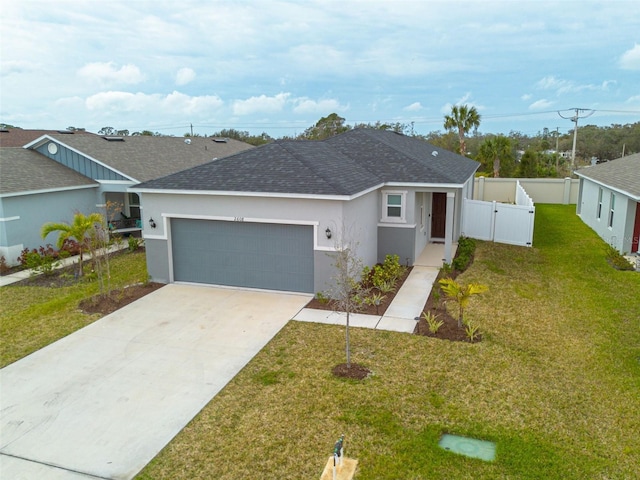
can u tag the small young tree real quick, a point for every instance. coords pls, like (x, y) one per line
(461, 294)
(347, 291)
(82, 229)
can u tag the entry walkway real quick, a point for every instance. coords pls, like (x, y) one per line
(406, 307)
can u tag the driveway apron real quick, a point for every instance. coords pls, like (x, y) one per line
(103, 401)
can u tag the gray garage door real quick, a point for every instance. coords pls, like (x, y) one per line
(242, 254)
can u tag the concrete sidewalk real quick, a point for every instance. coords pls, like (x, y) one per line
(407, 305)
(400, 315)
(65, 262)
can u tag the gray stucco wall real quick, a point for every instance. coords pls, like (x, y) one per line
(620, 233)
(397, 241)
(33, 211)
(320, 213)
(157, 260)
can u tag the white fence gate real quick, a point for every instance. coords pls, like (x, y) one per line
(500, 222)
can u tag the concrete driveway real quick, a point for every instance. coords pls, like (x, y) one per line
(102, 402)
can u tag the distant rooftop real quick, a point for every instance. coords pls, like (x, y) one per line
(18, 137)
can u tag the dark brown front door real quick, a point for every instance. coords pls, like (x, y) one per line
(438, 214)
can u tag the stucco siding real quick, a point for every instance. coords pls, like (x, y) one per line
(361, 218)
(321, 214)
(620, 232)
(24, 216)
(396, 241)
(157, 260)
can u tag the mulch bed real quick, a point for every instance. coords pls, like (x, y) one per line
(354, 372)
(366, 309)
(449, 329)
(105, 304)
(100, 304)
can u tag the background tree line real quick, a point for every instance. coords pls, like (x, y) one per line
(513, 155)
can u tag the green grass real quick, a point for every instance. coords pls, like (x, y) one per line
(555, 383)
(32, 317)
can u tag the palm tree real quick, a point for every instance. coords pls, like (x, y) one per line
(463, 119)
(493, 150)
(82, 230)
(461, 294)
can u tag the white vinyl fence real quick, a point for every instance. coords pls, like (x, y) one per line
(500, 222)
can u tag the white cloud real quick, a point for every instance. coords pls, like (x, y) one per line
(107, 72)
(261, 104)
(185, 75)
(173, 103)
(306, 105)
(630, 60)
(552, 83)
(414, 107)
(526, 97)
(567, 86)
(16, 67)
(540, 104)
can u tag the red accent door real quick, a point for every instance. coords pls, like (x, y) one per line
(636, 230)
(438, 214)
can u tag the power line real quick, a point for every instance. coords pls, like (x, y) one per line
(575, 118)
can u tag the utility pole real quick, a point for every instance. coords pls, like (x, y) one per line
(557, 152)
(575, 119)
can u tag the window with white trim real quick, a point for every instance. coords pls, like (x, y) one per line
(394, 206)
(612, 207)
(599, 212)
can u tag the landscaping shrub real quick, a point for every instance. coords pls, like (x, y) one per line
(616, 259)
(383, 274)
(466, 249)
(4, 268)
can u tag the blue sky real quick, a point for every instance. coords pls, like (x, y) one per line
(278, 66)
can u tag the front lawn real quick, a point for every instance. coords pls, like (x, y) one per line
(33, 315)
(555, 383)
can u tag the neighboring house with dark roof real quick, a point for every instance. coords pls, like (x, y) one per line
(55, 174)
(268, 217)
(609, 201)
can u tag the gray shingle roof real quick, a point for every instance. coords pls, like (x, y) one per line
(25, 170)
(622, 174)
(18, 137)
(146, 157)
(343, 165)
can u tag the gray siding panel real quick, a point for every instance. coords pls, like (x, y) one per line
(80, 163)
(255, 255)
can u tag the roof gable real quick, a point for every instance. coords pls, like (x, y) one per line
(343, 165)
(622, 174)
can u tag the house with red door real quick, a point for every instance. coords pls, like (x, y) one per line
(609, 201)
(270, 217)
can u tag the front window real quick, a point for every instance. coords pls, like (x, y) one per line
(393, 206)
